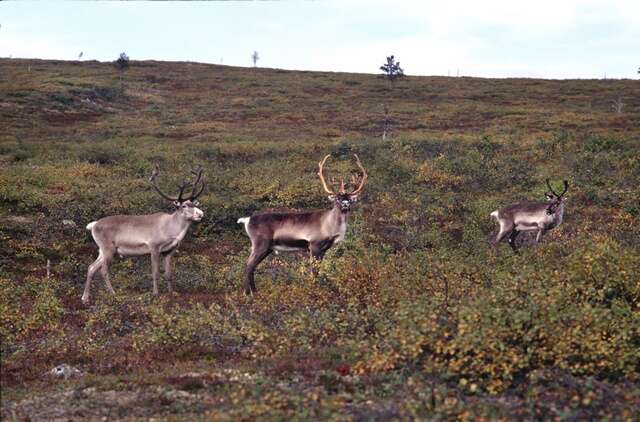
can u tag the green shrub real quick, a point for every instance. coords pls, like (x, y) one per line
(596, 144)
(62, 98)
(102, 154)
(27, 306)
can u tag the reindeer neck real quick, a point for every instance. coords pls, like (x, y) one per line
(177, 223)
(556, 208)
(337, 216)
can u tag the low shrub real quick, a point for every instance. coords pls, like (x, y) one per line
(102, 154)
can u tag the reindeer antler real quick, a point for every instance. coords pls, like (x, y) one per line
(152, 179)
(364, 176)
(184, 185)
(320, 169)
(198, 173)
(342, 185)
(566, 187)
(556, 203)
(550, 188)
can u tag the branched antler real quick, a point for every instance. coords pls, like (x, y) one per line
(198, 173)
(553, 206)
(566, 187)
(181, 187)
(364, 176)
(354, 180)
(320, 170)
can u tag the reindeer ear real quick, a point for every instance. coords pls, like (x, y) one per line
(353, 198)
(176, 204)
(331, 197)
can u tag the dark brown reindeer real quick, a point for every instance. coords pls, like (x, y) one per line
(530, 216)
(315, 231)
(157, 234)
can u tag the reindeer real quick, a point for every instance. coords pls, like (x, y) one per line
(157, 234)
(315, 231)
(530, 216)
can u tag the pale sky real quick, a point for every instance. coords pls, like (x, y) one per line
(487, 38)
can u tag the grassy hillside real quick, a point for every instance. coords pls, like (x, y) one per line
(413, 315)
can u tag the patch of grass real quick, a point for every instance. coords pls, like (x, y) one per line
(102, 154)
(596, 144)
(62, 98)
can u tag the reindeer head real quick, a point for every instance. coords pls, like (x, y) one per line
(186, 206)
(553, 198)
(343, 199)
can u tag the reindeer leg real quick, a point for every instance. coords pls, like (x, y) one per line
(540, 233)
(260, 249)
(512, 240)
(316, 254)
(104, 270)
(167, 269)
(155, 271)
(505, 229)
(90, 272)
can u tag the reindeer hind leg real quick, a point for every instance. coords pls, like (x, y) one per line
(104, 270)
(260, 249)
(90, 272)
(505, 229)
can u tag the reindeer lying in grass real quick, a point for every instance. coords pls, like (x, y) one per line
(157, 234)
(530, 216)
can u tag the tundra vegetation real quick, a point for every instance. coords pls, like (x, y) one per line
(413, 314)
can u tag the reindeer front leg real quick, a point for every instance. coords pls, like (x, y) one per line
(539, 235)
(167, 269)
(155, 271)
(316, 253)
(512, 240)
(318, 249)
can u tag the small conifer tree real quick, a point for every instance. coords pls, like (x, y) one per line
(123, 62)
(392, 69)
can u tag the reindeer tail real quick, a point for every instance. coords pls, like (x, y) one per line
(245, 221)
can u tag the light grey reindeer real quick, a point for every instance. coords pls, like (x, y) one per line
(157, 234)
(530, 216)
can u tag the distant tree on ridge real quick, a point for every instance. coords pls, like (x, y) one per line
(392, 69)
(122, 63)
